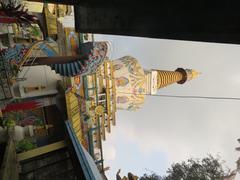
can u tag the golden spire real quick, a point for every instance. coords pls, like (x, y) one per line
(180, 76)
(192, 74)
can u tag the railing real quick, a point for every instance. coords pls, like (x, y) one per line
(87, 164)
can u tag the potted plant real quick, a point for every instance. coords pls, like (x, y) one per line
(7, 122)
(25, 145)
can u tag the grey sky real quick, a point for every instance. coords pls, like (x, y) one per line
(168, 130)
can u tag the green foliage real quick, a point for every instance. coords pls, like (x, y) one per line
(152, 176)
(209, 168)
(35, 31)
(38, 122)
(25, 145)
(8, 123)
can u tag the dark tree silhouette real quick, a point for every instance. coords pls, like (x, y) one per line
(208, 168)
(13, 13)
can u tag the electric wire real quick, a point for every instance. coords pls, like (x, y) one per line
(187, 96)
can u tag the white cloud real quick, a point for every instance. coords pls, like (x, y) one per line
(179, 127)
(184, 135)
(109, 152)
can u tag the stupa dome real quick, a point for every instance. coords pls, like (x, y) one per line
(130, 82)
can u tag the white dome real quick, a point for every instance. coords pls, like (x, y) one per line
(130, 81)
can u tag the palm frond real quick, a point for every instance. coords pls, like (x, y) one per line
(19, 12)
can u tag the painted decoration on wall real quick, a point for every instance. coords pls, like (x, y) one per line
(138, 91)
(77, 82)
(122, 99)
(22, 106)
(26, 105)
(73, 112)
(32, 117)
(26, 117)
(132, 64)
(72, 41)
(136, 73)
(117, 66)
(129, 68)
(122, 81)
(20, 53)
(14, 54)
(28, 112)
(95, 58)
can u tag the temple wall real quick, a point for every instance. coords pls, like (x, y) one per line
(39, 76)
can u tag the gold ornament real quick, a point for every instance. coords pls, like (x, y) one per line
(99, 110)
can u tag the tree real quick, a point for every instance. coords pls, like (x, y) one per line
(152, 176)
(12, 12)
(209, 168)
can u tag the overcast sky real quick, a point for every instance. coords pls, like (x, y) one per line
(167, 130)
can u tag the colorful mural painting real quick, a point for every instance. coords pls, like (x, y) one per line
(77, 82)
(122, 99)
(132, 64)
(21, 106)
(28, 113)
(117, 66)
(130, 82)
(32, 117)
(95, 58)
(72, 41)
(136, 102)
(136, 73)
(20, 53)
(122, 81)
(25, 117)
(14, 54)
